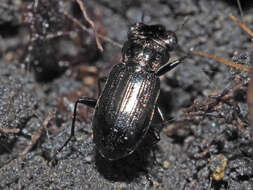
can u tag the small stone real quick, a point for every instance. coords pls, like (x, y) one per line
(166, 164)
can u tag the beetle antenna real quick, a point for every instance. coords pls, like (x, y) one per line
(142, 16)
(240, 7)
(186, 19)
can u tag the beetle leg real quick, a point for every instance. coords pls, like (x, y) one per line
(169, 66)
(156, 135)
(160, 113)
(156, 128)
(100, 80)
(91, 102)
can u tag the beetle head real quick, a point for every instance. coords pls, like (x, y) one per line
(148, 45)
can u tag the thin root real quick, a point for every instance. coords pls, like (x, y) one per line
(226, 61)
(242, 25)
(250, 102)
(37, 135)
(223, 60)
(8, 131)
(84, 28)
(85, 15)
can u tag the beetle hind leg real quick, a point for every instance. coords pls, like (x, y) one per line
(91, 102)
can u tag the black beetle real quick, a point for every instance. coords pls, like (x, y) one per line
(125, 108)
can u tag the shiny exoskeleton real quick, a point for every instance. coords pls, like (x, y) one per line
(125, 108)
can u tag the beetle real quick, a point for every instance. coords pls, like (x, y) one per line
(125, 108)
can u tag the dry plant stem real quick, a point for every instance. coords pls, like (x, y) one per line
(81, 4)
(8, 131)
(37, 135)
(242, 25)
(226, 61)
(223, 60)
(51, 35)
(213, 107)
(250, 101)
(74, 20)
(226, 97)
(250, 89)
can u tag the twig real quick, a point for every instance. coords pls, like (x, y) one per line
(250, 89)
(226, 61)
(90, 31)
(50, 36)
(223, 60)
(37, 135)
(8, 131)
(85, 15)
(242, 25)
(212, 104)
(250, 101)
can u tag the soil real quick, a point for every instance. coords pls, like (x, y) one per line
(47, 62)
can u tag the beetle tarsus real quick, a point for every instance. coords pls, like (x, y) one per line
(157, 135)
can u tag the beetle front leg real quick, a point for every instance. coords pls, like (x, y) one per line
(91, 102)
(169, 66)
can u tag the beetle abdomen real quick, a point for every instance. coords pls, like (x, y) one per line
(124, 110)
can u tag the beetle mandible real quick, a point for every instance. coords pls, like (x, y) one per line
(125, 108)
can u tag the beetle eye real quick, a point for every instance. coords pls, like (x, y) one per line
(170, 40)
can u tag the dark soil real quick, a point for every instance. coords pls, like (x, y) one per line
(47, 62)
